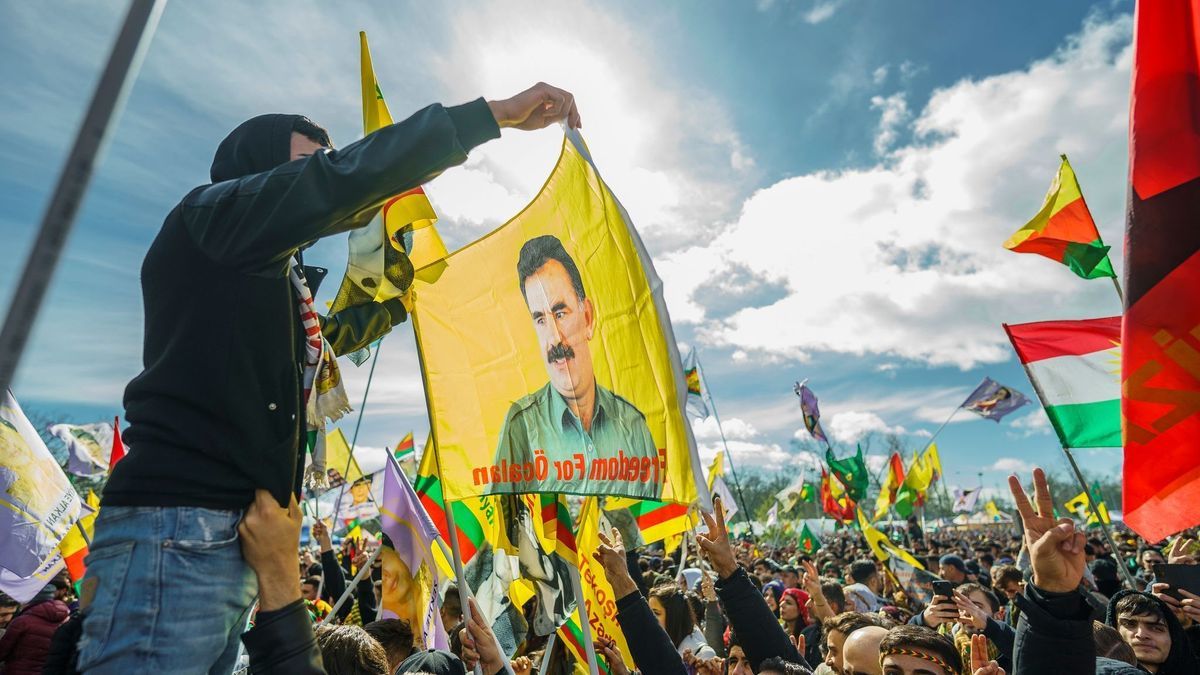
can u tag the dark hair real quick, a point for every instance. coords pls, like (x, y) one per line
(451, 602)
(680, 622)
(920, 638)
(1110, 644)
(395, 635)
(6, 601)
(312, 581)
(350, 650)
(987, 558)
(697, 605)
(862, 570)
(540, 250)
(967, 589)
(848, 622)
(1139, 604)
(1006, 573)
(834, 595)
(778, 665)
(310, 130)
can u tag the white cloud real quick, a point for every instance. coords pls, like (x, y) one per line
(735, 429)
(880, 74)
(1032, 424)
(852, 425)
(893, 113)
(1011, 465)
(904, 258)
(822, 10)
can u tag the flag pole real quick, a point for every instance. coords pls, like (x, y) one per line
(584, 624)
(1120, 293)
(1103, 526)
(725, 444)
(549, 649)
(108, 100)
(337, 506)
(353, 585)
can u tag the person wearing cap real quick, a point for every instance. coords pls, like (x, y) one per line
(953, 569)
(789, 576)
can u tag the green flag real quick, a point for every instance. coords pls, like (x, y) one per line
(851, 472)
(807, 494)
(809, 543)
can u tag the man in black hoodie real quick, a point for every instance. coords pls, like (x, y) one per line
(1153, 631)
(219, 409)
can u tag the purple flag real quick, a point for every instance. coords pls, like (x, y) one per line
(994, 400)
(410, 577)
(812, 414)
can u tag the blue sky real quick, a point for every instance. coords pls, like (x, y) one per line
(824, 184)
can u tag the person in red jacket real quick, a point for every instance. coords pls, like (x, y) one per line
(26, 642)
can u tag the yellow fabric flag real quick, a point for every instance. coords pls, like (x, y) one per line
(1080, 506)
(339, 458)
(401, 242)
(598, 595)
(887, 492)
(992, 510)
(881, 546)
(557, 308)
(920, 471)
(717, 468)
(934, 462)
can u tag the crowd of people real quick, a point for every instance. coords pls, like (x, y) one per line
(1051, 601)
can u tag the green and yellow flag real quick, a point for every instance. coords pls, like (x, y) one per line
(881, 546)
(1080, 506)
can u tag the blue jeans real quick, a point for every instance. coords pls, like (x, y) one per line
(172, 591)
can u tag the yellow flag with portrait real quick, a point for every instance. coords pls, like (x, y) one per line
(548, 356)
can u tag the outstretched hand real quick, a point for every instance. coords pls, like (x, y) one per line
(611, 556)
(536, 108)
(980, 665)
(716, 542)
(1055, 546)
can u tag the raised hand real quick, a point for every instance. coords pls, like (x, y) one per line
(536, 108)
(1178, 555)
(478, 636)
(716, 542)
(1055, 547)
(980, 665)
(612, 656)
(940, 610)
(611, 556)
(969, 614)
(1187, 610)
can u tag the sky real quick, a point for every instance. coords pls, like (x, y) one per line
(824, 186)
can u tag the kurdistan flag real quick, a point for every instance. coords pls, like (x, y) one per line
(1075, 367)
(1063, 230)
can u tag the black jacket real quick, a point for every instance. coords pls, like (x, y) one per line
(1054, 637)
(216, 412)
(282, 641)
(1181, 660)
(757, 629)
(649, 645)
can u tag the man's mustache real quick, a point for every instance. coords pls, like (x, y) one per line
(560, 351)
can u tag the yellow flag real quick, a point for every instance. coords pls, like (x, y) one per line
(1080, 506)
(338, 457)
(717, 468)
(934, 462)
(881, 546)
(598, 595)
(561, 297)
(991, 509)
(920, 472)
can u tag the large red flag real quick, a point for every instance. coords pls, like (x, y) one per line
(1160, 402)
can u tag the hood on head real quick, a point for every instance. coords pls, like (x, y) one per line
(1181, 659)
(256, 145)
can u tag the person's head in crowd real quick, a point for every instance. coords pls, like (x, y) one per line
(793, 609)
(1007, 579)
(837, 629)
(952, 569)
(789, 576)
(1144, 625)
(866, 573)
(432, 662)
(860, 651)
(696, 603)
(8, 608)
(986, 561)
(764, 569)
(981, 597)
(350, 650)
(1089, 552)
(688, 579)
(834, 594)
(452, 613)
(671, 609)
(736, 662)
(777, 666)
(1149, 557)
(916, 650)
(772, 592)
(396, 636)
(310, 588)
(1111, 645)
(1104, 571)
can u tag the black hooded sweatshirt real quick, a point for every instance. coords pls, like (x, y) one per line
(1180, 660)
(217, 412)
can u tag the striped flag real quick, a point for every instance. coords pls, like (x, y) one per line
(473, 518)
(598, 595)
(656, 520)
(892, 481)
(572, 638)
(74, 546)
(1075, 367)
(405, 449)
(1063, 230)
(556, 528)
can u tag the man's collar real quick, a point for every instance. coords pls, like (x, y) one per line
(559, 410)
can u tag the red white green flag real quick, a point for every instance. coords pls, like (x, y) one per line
(1075, 366)
(1063, 230)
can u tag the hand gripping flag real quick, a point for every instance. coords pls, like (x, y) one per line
(1063, 230)
(992, 400)
(401, 242)
(410, 577)
(39, 505)
(1075, 368)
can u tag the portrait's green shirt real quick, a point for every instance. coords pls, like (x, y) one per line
(619, 436)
